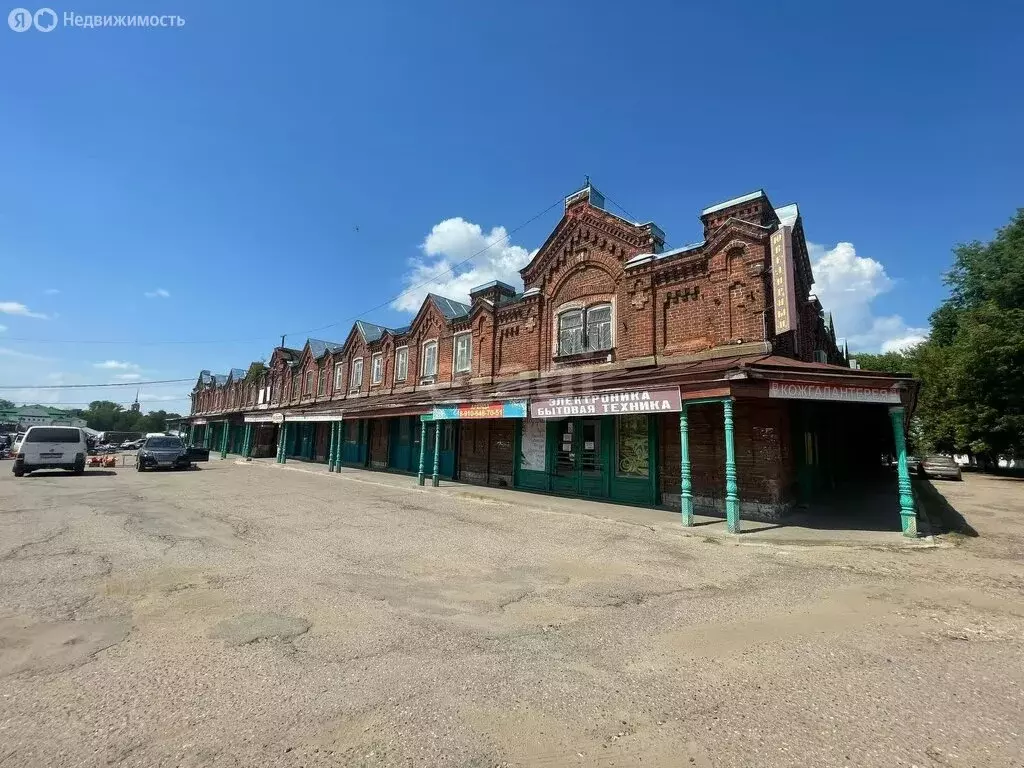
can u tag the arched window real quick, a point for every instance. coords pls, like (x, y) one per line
(585, 330)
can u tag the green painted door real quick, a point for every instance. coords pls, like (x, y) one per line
(446, 466)
(353, 447)
(579, 447)
(400, 444)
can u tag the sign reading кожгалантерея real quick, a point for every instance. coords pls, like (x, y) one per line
(833, 392)
(608, 403)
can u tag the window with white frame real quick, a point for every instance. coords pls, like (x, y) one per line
(295, 385)
(308, 389)
(377, 368)
(463, 352)
(585, 330)
(339, 373)
(355, 381)
(429, 366)
(401, 363)
(321, 382)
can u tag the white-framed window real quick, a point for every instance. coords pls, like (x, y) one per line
(308, 389)
(339, 373)
(377, 368)
(401, 364)
(295, 385)
(429, 365)
(355, 381)
(463, 357)
(585, 330)
(321, 382)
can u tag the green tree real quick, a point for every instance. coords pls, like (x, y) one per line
(6, 404)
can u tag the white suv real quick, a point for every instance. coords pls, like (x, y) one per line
(51, 448)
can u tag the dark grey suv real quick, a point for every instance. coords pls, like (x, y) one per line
(163, 453)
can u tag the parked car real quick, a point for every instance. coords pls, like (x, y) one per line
(913, 464)
(163, 453)
(127, 445)
(51, 448)
(940, 466)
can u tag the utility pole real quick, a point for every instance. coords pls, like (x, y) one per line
(282, 339)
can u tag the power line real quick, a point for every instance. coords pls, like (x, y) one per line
(450, 270)
(411, 288)
(92, 386)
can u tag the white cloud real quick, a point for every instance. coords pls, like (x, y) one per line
(128, 377)
(452, 241)
(52, 291)
(17, 308)
(117, 365)
(159, 293)
(847, 284)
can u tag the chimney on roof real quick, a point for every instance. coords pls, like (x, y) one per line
(494, 292)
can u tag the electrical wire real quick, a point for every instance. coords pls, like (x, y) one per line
(353, 318)
(93, 386)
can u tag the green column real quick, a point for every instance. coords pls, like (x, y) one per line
(207, 429)
(330, 449)
(340, 431)
(247, 441)
(908, 515)
(732, 501)
(225, 434)
(423, 452)
(685, 486)
(437, 452)
(191, 434)
(284, 442)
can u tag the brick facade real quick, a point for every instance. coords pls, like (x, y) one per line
(659, 310)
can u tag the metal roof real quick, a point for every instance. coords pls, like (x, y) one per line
(370, 331)
(319, 348)
(237, 373)
(735, 201)
(788, 214)
(449, 308)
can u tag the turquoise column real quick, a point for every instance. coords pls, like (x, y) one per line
(284, 444)
(330, 449)
(423, 452)
(908, 514)
(340, 431)
(685, 485)
(437, 452)
(732, 500)
(225, 434)
(247, 442)
(191, 434)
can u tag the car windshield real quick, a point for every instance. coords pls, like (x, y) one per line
(53, 435)
(163, 443)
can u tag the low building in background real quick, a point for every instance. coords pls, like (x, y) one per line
(38, 415)
(704, 378)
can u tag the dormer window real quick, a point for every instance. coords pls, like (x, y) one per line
(428, 368)
(377, 368)
(309, 384)
(463, 352)
(585, 330)
(355, 381)
(321, 382)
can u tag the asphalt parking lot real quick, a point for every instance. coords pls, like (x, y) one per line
(253, 615)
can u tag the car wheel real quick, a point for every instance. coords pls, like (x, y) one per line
(138, 466)
(79, 469)
(19, 472)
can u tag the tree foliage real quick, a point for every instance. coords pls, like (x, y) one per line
(105, 416)
(972, 366)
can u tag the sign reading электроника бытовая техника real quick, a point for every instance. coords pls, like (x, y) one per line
(661, 400)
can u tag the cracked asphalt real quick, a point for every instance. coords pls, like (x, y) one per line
(256, 616)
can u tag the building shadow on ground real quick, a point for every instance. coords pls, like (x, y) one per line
(71, 475)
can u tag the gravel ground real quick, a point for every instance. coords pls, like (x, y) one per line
(255, 616)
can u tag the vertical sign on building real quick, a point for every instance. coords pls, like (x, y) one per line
(784, 293)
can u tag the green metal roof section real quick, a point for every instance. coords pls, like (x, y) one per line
(449, 308)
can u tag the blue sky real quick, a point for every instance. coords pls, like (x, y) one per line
(275, 168)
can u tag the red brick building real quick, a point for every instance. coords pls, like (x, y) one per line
(705, 377)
